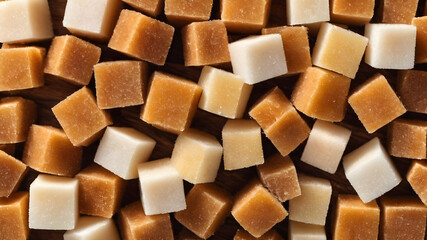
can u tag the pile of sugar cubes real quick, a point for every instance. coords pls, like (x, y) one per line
(284, 85)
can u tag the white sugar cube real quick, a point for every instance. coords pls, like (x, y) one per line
(93, 228)
(307, 11)
(304, 231)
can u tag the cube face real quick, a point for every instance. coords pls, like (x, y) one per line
(386, 49)
(339, 50)
(245, 16)
(258, 58)
(171, 102)
(394, 11)
(421, 43)
(302, 12)
(142, 37)
(375, 103)
(205, 43)
(417, 176)
(93, 228)
(407, 139)
(181, 12)
(411, 87)
(150, 7)
(304, 231)
(14, 220)
(11, 173)
(352, 12)
(370, 164)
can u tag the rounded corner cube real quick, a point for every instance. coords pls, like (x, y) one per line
(93, 228)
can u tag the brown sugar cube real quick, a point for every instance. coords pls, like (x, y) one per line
(100, 191)
(21, 68)
(375, 103)
(8, 148)
(279, 175)
(280, 121)
(171, 102)
(72, 59)
(207, 207)
(14, 216)
(142, 37)
(270, 235)
(120, 83)
(81, 118)
(181, 12)
(134, 224)
(398, 11)
(16, 116)
(417, 177)
(245, 16)
(421, 42)
(205, 43)
(15, 45)
(12, 172)
(352, 12)
(402, 217)
(407, 138)
(321, 94)
(149, 7)
(412, 89)
(256, 209)
(296, 46)
(48, 150)
(355, 219)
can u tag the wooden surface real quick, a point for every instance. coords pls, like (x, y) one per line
(55, 90)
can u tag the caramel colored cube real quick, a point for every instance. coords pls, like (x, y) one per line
(205, 43)
(134, 224)
(417, 177)
(412, 89)
(245, 16)
(16, 45)
(81, 118)
(279, 175)
(14, 216)
(120, 83)
(375, 103)
(407, 138)
(352, 12)
(12, 172)
(149, 7)
(21, 68)
(171, 102)
(397, 11)
(321, 94)
(16, 116)
(270, 235)
(181, 12)
(142, 37)
(8, 148)
(402, 217)
(355, 219)
(256, 209)
(421, 43)
(100, 191)
(296, 46)
(207, 207)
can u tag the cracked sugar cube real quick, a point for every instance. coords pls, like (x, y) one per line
(370, 170)
(417, 177)
(14, 216)
(54, 203)
(92, 19)
(325, 146)
(305, 231)
(12, 171)
(352, 12)
(421, 43)
(412, 89)
(391, 46)
(339, 50)
(93, 228)
(307, 11)
(407, 138)
(244, 235)
(395, 11)
(181, 12)
(258, 58)
(149, 7)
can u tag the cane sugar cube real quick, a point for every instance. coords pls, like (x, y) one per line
(162, 189)
(80, 117)
(308, 11)
(312, 205)
(396, 11)
(8, 148)
(207, 207)
(245, 16)
(72, 59)
(142, 37)
(14, 216)
(171, 102)
(16, 116)
(224, 93)
(149, 7)
(370, 164)
(197, 156)
(92, 19)
(304, 231)
(417, 177)
(256, 209)
(53, 203)
(12, 172)
(181, 12)
(352, 12)
(391, 46)
(325, 146)
(48, 150)
(25, 21)
(412, 89)
(93, 228)
(17, 45)
(100, 191)
(134, 224)
(375, 103)
(270, 235)
(258, 58)
(403, 217)
(339, 50)
(120, 83)
(421, 43)
(296, 47)
(407, 138)
(205, 43)
(242, 144)
(355, 219)
(121, 149)
(321, 94)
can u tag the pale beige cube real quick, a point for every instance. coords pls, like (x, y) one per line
(304, 231)
(307, 11)
(93, 228)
